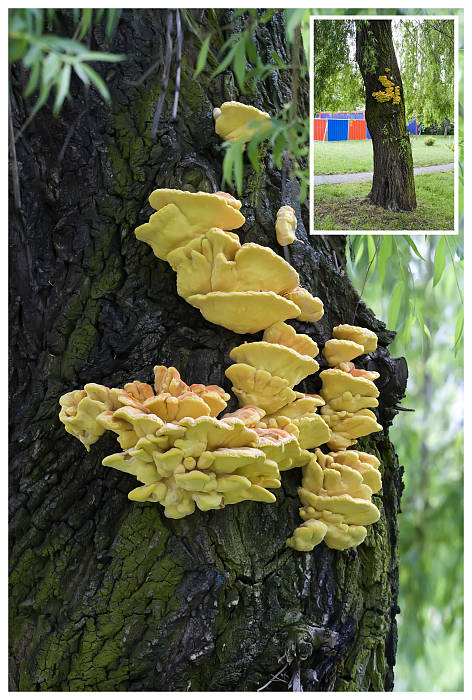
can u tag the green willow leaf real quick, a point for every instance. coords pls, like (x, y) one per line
(459, 330)
(97, 81)
(413, 246)
(384, 255)
(33, 79)
(439, 260)
(395, 304)
(86, 21)
(202, 56)
(62, 88)
(239, 63)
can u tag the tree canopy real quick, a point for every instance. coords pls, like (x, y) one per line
(426, 53)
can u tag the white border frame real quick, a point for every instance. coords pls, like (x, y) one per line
(315, 232)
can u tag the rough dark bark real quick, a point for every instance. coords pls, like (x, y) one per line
(107, 594)
(393, 184)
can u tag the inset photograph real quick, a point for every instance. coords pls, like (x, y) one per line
(384, 142)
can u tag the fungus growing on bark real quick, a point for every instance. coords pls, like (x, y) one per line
(205, 462)
(338, 351)
(234, 121)
(279, 360)
(182, 216)
(311, 308)
(188, 460)
(244, 312)
(285, 225)
(283, 334)
(265, 376)
(357, 334)
(336, 499)
(349, 392)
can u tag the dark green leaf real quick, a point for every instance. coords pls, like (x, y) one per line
(202, 56)
(252, 51)
(33, 79)
(113, 17)
(239, 63)
(86, 20)
(224, 63)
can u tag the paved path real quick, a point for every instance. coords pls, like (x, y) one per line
(361, 177)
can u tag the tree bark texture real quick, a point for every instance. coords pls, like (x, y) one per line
(106, 594)
(393, 184)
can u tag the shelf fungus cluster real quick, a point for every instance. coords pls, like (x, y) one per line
(244, 288)
(265, 374)
(349, 393)
(171, 437)
(391, 92)
(336, 495)
(174, 444)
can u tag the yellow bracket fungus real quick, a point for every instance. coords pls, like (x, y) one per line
(234, 121)
(349, 392)
(244, 312)
(336, 494)
(285, 225)
(311, 308)
(356, 334)
(337, 351)
(182, 216)
(276, 359)
(171, 439)
(283, 334)
(391, 92)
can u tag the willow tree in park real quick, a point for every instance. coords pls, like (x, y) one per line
(393, 185)
(107, 594)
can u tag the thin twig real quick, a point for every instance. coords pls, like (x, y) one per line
(165, 76)
(273, 678)
(15, 175)
(178, 61)
(146, 74)
(69, 136)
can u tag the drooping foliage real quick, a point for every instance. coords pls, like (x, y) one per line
(337, 82)
(427, 57)
(415, 284)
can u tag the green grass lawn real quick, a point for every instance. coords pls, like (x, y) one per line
(344, 207)
(356, 156)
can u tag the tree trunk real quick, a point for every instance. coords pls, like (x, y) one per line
(393, 184)
(107, 594)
